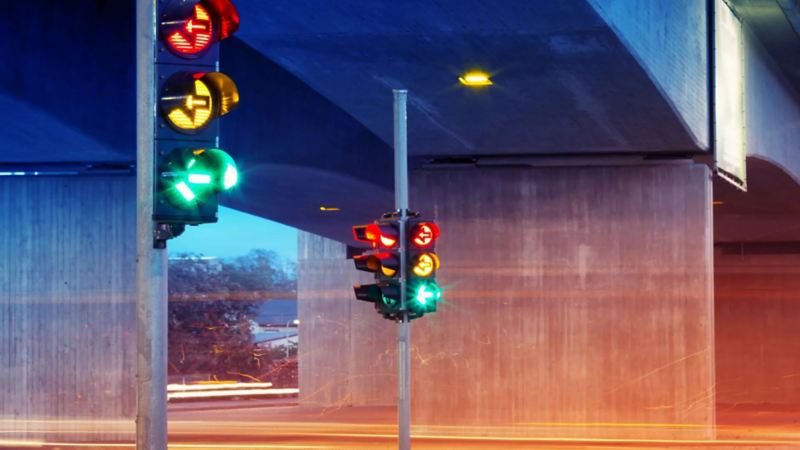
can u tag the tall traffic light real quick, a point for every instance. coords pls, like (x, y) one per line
(191, 169)
(385, 258)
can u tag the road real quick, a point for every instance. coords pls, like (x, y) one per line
(292, 427)
(281, 424)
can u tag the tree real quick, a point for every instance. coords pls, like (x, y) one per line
(212, 304)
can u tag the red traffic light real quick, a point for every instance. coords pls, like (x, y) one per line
(193, 35)
(424, 234)
(378, 236)
(189, 28)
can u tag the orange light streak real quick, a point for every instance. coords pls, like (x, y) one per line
(214, 386)
(230, 393)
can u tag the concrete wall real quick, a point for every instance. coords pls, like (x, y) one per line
(757, 312)
(772, 109)
(67, 308)
(669, 39)
(573, 295)
(345, 353)
(757, 295)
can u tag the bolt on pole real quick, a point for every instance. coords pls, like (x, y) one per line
(151, 264)
(401, 204)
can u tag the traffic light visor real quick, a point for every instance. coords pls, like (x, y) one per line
(225, 89)
(226, 16)
(376, 235)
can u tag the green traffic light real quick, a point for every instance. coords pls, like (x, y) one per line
(192, 176)
(424, 295)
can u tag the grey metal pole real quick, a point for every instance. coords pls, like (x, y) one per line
(151, 264)
(403, 331)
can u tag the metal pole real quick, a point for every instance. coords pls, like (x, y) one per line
(403, 331)
(151, 264)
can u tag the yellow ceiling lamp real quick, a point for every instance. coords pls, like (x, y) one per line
(475, 78)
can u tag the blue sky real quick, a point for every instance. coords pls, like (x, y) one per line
(235, 234)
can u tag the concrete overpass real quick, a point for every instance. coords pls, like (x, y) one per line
(577, 197)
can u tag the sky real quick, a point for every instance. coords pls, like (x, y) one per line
(235, 234)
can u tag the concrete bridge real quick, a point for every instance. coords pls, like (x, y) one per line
(598, 268)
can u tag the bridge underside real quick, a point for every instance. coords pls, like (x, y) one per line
(596, 271)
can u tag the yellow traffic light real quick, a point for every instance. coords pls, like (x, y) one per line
(425, 264)
(196, 110)
(189, 101)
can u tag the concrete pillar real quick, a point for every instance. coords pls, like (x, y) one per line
(67, 308)
(757, 314)
(346, 353)
(577, 298)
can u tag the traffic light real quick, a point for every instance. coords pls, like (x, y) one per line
(191, 169)
(189, 180)
(384, 237)
(423, 292)
(384, 261)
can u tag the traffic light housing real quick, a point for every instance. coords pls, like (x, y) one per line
(191, 94)
(383, 260)
(188, 182)
(423, 292)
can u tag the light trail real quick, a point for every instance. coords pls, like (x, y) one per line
(231, 393)
(614, 424)
(20, 443)
(41, 444)
(214, 386)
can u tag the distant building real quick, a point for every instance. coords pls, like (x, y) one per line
(275, 324)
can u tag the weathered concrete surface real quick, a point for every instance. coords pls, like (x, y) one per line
(757, 300)
(757, 312)
(573, 295)
(67, 307)
(345, 354)
(670, 40)
(772, 109)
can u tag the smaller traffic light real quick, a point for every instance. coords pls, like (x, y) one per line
(383, 260)
(423, 292)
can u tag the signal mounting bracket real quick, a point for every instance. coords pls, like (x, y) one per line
(394, 215)
(162, 232)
